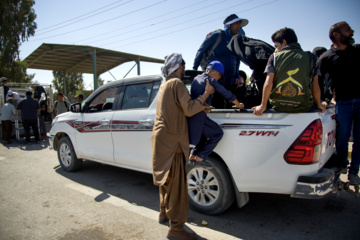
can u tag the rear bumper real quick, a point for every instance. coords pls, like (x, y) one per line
(315, 186)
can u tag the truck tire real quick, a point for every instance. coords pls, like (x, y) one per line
(66, 155)
(210, 189)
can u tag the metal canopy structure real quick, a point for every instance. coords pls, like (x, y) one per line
(81, 59)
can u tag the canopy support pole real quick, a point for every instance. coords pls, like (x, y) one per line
(138, 65)
(94, 69)
(65, 82)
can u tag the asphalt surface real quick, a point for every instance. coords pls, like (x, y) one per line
(38, 200)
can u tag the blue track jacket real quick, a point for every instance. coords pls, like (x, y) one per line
(221, 54)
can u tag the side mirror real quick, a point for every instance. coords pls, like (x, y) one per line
(75, 107)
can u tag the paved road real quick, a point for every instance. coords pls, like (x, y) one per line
(38, 200)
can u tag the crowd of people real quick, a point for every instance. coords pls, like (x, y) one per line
(31, 110)
(285, 78)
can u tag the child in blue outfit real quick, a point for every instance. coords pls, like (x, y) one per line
(204, 133)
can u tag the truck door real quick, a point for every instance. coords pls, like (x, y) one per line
(132, 126)
(93, 136)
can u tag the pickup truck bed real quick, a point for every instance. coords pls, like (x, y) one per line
(255, 147)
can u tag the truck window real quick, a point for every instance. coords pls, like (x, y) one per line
(103, 101)
(137, 96)
(154, 91)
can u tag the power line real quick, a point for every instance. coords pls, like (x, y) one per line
(186, 28)
(172, 18)
(78, 16)
(101, 22)
(83, 18)
(179, 30)
(167, 20)
(190, 20)
(147, 20)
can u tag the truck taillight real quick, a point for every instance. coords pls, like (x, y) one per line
(307, 147)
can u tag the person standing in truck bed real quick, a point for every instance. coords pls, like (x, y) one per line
(218, 41)
(39, 91)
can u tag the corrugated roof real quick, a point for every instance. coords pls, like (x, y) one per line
(77, 58)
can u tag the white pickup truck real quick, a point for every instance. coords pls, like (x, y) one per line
(275, 153)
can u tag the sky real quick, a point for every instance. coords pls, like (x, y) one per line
(156, 28)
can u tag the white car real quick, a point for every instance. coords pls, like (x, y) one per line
(276, 153)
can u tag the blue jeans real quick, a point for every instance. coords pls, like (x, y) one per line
(347, 118)
(210, 136)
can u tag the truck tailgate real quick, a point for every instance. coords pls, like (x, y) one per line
(329, 130)
(253, 147)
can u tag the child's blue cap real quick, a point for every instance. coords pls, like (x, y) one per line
(217, 66)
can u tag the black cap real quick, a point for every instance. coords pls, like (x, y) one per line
(318, 51)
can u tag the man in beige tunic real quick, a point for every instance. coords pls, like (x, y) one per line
(170, 144)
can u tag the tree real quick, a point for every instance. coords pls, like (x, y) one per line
(17, 24)
(17, 73)
(100, 82)
(73, 82)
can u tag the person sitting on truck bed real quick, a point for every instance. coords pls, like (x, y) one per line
(240, 89)
(324, 82)
(201, 127)
(291, 83)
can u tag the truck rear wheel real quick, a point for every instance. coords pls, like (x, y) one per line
(66, 155)
(210, 190)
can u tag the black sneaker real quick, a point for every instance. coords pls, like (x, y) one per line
(343, 170)
(340, 170)
(354, 179)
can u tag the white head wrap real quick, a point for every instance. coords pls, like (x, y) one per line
(172, 62)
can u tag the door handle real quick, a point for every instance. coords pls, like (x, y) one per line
(105, 122)
(146, 122)
(77, 123)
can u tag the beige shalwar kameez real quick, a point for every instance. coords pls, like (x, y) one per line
(170, 145)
